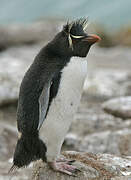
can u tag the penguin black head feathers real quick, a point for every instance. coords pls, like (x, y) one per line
(73, 40)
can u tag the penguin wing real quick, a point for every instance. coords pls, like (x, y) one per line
(43, 103)
(48, 93)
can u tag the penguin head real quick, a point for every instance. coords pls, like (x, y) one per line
(73, 40)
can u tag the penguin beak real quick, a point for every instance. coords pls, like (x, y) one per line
(92, 38)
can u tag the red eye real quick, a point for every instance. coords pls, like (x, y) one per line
(75, 40)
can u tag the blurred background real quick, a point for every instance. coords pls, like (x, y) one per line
(103, 120)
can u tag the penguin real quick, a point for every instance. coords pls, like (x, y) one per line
(49, 96)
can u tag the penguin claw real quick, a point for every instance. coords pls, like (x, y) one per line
(71, 161)
(64, 167)
(12, 169)
(65, 160)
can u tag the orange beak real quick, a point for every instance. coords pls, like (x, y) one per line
(92, 38)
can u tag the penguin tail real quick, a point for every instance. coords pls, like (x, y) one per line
(29, 148)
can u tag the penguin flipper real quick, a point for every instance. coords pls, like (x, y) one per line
(43, 103)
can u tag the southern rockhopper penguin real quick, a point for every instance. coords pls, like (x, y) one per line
(49, 95)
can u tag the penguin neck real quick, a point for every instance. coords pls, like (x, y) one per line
(56, 58)
(57, 51)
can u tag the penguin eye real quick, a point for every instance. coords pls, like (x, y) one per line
(76, 39)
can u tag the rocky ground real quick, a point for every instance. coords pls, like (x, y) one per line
(103, 120)
(91, 166)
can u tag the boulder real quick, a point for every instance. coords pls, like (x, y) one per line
(107, 83)
(8, 137)
(13, 64)
(109, 72)
(92, 166)
(22, 174)
(119, 107)
(114, 142)
(90, 118)
(16, 34)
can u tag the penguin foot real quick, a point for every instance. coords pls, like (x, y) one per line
(63, 167)
(65, 160)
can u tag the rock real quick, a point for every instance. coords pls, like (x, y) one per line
(114, 142)
(119, 107)
(92, 166)
(90, 118)
(117, 142)
(8, 137)
(127, 88)
(95, 131)
(72, 141)
(14, 62)
(108, 74)
(22, 174)
(16, 34)
(107, 83)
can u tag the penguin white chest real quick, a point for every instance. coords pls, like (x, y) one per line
(71, 86)
(65, 104)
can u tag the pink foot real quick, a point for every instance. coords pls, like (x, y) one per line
(65, 160)
(63, 167)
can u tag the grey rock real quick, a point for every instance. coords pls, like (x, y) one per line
(8, 137)
(120, 107)
(90, 118)
(22, 174)
(95, 131)
(107, 83)
(13, 64)
(16, 34)
(114, 142)
(117, 142)
(127, 88)
(108, 72)
(72, 141)
(92, 166)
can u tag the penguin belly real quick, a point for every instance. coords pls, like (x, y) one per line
(63, 106)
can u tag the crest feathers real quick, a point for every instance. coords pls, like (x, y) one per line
(81, 23)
